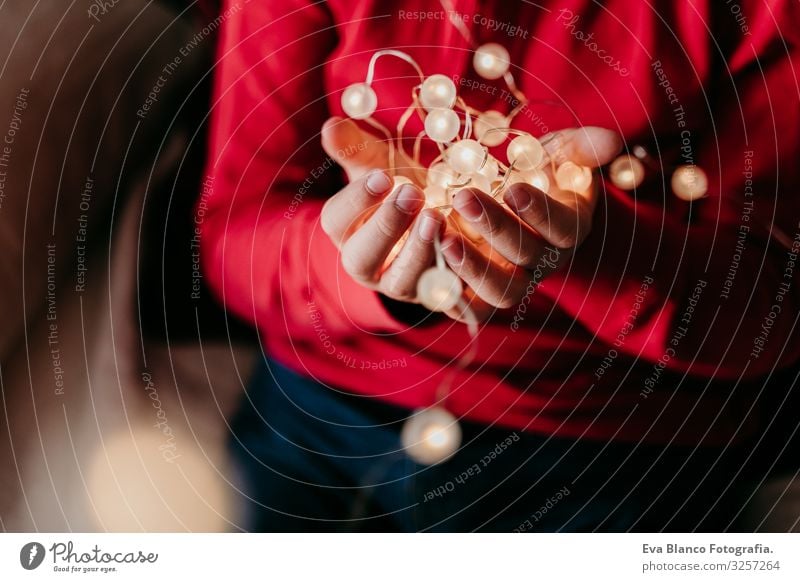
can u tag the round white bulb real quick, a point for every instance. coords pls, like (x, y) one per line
(689, 182)
(439, 289)
(130, 484)
(573, 178)
(437, 91)
(431, 435)
(536, 178)
(490, 169)
(626, 172)
(480, 182)
(525, 152)
(440, 174)
(491, 120)
(436, 197)
(491, 60)
(442, 125)
(466, 156)
(359, 101)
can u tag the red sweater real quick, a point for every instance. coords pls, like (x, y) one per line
(670, 316)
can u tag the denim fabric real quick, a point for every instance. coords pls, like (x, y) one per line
(312, 458)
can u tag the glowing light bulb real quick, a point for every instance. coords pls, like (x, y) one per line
(359, 101)
(536, 178)
(437, 91)
(573, 178)
(491, 60)
(689, 182)
(490, 169)
(442, 125)
(626, 172)
(466, 156)
(439, 289)
(480, 182)
(491, 120)
(431, 435)
(435, 436)
(440, 174)
(525, 152)
(151, 478)
(436, 197)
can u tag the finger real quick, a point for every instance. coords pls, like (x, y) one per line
(356, 151)
(562, 223)
(346, 210)
(495, 284)
(587, 146)
(365, 252)
(509, 236)
(399, 281)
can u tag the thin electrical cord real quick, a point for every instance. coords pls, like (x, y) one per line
(465, 32)
(392, 53)
(395, 144)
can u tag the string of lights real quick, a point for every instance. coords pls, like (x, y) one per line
(464, 136)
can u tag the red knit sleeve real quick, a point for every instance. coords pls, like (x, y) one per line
(262, 249)
(724, 279)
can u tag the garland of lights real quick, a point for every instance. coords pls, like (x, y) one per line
(463, 136)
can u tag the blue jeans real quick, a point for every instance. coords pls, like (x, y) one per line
(314, 459)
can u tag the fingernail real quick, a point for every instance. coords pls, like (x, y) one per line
(429, 225)
(468, 205)
(378, 183)
(519, 198)
(453, 250)
(409, 199)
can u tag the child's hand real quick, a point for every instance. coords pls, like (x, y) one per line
(533, 236)
(537, 232)
(365, 221)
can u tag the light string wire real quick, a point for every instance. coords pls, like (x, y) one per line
(467, 161)
(466, 167)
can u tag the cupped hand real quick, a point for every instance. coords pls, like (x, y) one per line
(368, 218)
(533, 234)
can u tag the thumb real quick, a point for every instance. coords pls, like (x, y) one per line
(587, 146)
(356, 151)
